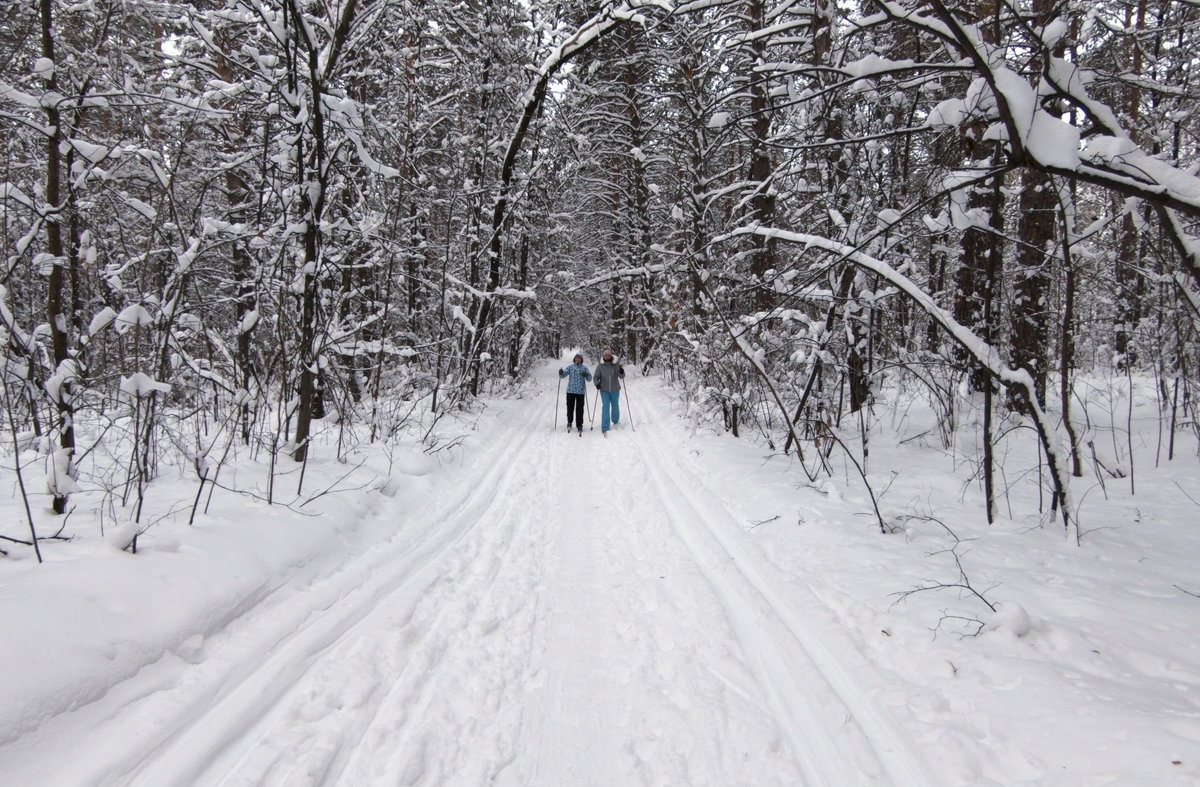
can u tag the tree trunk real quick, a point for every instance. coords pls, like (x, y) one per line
(1130, 280)
(1035, 231)
(237, 196)
(56, 314)
(1030, 316)
(762, 201)
(514, 353)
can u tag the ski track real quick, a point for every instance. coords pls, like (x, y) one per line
(588, 613)
(843, 738)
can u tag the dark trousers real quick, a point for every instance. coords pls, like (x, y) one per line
(575, 410)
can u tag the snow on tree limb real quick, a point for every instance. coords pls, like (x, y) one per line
(140, 385)
(1103, 154)
(585, 36)
(983, 352)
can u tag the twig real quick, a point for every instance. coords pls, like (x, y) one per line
(979, 624)
(963, 585)
(12, 422)
(196, 502)
(329, 488)
(914, 437)
(1185, 494)
(862, 474)
(436, 446)
(765, 521)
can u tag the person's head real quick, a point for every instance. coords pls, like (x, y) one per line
(608, 356)
(578, 358)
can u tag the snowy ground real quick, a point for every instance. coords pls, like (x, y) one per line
(659, 607)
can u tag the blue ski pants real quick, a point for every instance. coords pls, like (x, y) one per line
(610, 403)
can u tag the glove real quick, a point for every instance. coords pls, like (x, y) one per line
(561, 372)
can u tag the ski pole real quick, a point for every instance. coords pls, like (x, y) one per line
(556, 393)
(629, 408)
(592, 416)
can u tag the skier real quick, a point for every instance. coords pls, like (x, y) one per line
(576, 391)
(608, 381)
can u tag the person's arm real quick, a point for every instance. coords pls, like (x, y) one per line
(586, 374)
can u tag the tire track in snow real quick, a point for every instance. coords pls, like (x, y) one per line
(778, 643)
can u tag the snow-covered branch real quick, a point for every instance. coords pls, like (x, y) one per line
(983, 352)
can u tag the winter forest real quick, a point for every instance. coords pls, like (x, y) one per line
(257, 248)
(223, 221)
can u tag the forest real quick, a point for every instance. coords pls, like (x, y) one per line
(228, 222)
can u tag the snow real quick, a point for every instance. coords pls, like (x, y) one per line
(248, 321)
(1127, 159)
(1054, 32)
(66, 373)
(719, 120)
(1053, 142)
(667, 605)
(147, 211)
(874, 65)
(132, 316)
(140, 384)
(1018, 96)
(515, 293)
(44, 68)
(93, 153)
(101, 320)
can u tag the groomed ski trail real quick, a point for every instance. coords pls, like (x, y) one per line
(577, 612)
(822, 707)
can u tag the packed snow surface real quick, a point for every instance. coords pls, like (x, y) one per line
(665, 606)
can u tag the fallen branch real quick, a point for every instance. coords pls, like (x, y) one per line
(963, 583)
(759, 524)
(327, 490)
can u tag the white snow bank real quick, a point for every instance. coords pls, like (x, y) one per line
(93, 616)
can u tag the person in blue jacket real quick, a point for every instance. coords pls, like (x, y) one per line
(576, 391)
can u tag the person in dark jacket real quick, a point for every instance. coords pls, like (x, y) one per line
(576, 391)
(609, 375)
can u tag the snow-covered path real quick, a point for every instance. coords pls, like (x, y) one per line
(657, 607)
(573, 611)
